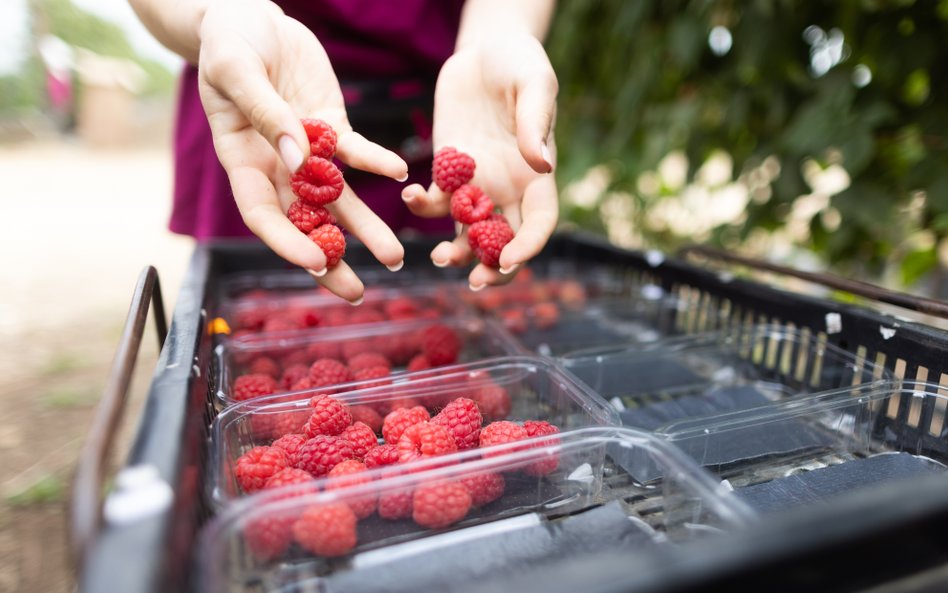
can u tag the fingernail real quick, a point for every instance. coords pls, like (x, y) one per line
(290, 153)
(358, 301)
(403, 178)
(318, 273)
(509, 270)
(397, 266)
(547, 157)
(407, 197)
(476, 288)
(440, 264)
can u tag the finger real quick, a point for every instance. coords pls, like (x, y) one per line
(342, 282)
(452, 253)
(428, 204)
(356, 151)
(240, 75)
(483, 276)
(540, 210)
(535, 112)
(353, 214)
(260, 208)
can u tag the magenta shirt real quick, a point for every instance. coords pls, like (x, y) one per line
(365, 40)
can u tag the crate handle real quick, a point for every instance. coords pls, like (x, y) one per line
(856, 287)
(85, 504)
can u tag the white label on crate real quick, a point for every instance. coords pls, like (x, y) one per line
(617, 403)
(887, 332)
(654, 257)
(834, 323)
(140, 493)
(583, 473)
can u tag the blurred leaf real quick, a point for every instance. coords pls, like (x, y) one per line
(916, 264)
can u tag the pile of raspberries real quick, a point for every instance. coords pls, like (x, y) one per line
(341, 444)
(316, 183)
(327, 363)
(489, 231)
(260, 311)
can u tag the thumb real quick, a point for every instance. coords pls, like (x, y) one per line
(535, 111)
(241, 77)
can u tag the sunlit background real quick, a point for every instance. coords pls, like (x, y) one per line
(810, 133)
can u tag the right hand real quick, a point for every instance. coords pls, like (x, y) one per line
(260, 71)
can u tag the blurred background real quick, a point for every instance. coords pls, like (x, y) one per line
(811, 133)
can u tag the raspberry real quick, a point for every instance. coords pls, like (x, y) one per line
(398, 420)
(463, 420)
(536, 428)
(401, 308)
(395, 504)
(419, 363)
(440, 345)
(280, 323)
(381, 455)
(514, 320)
(269, 536)
(404, 402)
(367, 360)
(318, 181)
(255, 467)
(367, 374)
(306, 216)
(362, 438)
(550, 460)
(469, 204)
(331, 240)
(249, 319)
(328, 371)
(254, 385)
(330, 417)
(318, 350)
(484, 488)
(303, 384)
(493, 401)
(321, 453)
(546, 315)
(288, 477)
(347, 474)
(326, 529)
(321, 136)
(366, 316)
(440, 504)
(425, 440)
(488, 237)
(451, 168)
(290, 443)
(295, 358)
(264, 365)
(292, 375)
(368, 416)
(500, 432)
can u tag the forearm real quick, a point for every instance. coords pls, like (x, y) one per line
(175, 23)
(483, 19)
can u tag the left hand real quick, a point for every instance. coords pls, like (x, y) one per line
(496, 101)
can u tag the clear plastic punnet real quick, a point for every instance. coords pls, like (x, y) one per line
(644, 316)
(516, 388)
(717, 372)
(285, 311)
(439, 342)
(419, 531)
(817, 450)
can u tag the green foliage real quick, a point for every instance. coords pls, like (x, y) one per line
(80, 29)
(47, 488)
(638, 80)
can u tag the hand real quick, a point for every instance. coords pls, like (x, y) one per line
(496, 101)
(259, 73)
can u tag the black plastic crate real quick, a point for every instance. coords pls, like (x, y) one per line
(869, 540)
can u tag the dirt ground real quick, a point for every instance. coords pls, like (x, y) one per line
(76, 227)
